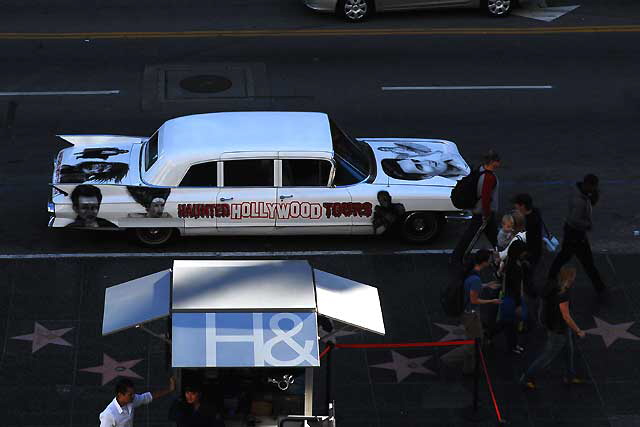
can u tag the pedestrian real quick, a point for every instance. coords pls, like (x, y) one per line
(584, 196)
(523, 203)
(513, 307)
(507, 232)
(560, 328)
(119, 413)
(191, 411)
(471, 316)
(485, 208)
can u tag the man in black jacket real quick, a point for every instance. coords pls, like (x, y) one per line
(575, 242)
(192, 412)
(523, 203)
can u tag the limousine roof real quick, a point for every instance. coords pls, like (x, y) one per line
(199, 138)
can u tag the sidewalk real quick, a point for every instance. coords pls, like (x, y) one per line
(57, 381)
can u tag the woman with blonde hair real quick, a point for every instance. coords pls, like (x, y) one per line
(560, 328)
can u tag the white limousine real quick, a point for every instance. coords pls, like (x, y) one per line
(255, 173)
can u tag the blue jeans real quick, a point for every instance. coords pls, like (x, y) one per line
(556, 343)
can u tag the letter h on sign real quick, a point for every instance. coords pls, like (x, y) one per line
(261, 339)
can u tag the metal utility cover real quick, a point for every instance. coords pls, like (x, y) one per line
(245, 339)
(349, 302)
(137, 301)
(201, 286)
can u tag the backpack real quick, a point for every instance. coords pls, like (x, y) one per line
(452, 297)
(465, 194)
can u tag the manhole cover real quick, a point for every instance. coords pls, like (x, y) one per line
(205, 84)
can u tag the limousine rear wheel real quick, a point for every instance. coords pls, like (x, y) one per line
(421, 227)
(154, 236)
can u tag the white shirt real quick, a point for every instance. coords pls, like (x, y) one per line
(116, 416)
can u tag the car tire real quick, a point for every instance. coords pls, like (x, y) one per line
(499, 8)
(355, 10)
(421, 227)
(154, 236)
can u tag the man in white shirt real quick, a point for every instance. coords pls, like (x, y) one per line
(119, 413)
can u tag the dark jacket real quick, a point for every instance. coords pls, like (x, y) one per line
(184, 416)
(579, 217)
(533, 227)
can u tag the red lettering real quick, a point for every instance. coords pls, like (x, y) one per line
(180, 211)
(367, 209)
(189, 211)
(328, 209)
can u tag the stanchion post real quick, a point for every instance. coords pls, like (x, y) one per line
(328, 384)
(476, 375)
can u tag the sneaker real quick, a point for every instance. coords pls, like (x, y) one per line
(573, 381)
(517, 350)
(520, 348)
(529, 384)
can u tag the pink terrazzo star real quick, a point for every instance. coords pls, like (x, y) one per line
(111, 369)
(42, 336)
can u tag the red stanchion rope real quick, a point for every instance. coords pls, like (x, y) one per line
(493, 396)
(410, 344)
(426, 344)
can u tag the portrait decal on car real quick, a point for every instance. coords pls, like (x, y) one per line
(152, 199)
(85, 200)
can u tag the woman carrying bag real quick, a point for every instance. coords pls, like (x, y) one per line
(513, 310)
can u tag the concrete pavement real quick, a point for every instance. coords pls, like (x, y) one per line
(49, 385)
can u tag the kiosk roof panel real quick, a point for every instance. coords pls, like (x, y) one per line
(256, 285)
(135, 302)
(349, 302)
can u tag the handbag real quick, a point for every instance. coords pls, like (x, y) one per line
(550, 241)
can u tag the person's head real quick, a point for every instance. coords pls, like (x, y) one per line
(384, 198)
(491, 160)
(481, 259)
(590, 183)
(518, 221)
(566, 277)
(523, 203)
(124, 391)
(156, 207)
(192, 394)
(507, 222)
(85, 200)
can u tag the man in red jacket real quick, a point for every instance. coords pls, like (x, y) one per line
(485, 208)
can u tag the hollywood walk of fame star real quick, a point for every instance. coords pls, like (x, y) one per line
(333, 336)
(405, 366)
(610, 332)
(42, 336)
(453, 332)
(111, 369)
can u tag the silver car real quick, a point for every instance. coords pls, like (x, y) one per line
(359, 10)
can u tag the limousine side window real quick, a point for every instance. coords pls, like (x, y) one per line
(305, 173)
(248, 173)
(201, 175)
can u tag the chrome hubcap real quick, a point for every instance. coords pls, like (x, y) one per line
(418, 225)
(499, 7)
(355, 9)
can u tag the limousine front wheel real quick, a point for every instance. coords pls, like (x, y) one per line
(421, 227)
(154, 236)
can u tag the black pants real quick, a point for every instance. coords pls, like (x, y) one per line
(491, 231)
(575, 242)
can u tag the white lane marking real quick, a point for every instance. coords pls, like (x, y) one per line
(546, 14)
(467, 87)
(217, 254)
(62, 93)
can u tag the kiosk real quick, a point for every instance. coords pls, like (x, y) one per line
(246, 331)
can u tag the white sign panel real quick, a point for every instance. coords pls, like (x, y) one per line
(244, 339)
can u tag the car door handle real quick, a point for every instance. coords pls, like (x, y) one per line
(286, 197)
(225, 199)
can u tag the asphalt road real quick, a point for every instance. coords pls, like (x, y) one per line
(549, 138)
